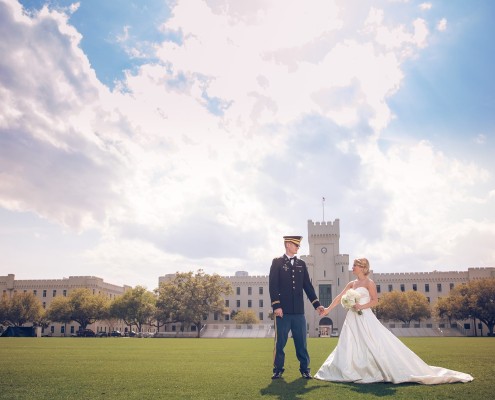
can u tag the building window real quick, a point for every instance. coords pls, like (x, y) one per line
(390, 288)
(54, 293)
(250, 303)
(439, 287)
(427, 287)
(227, 302)
(260, 316)
(415, 287)
(215, 316)
(238, 290)
(44, 292)
(238, 303)
(402, 287)
(250, 291)
(227, 317)
(65, 293)
(451, 286)
(72, 330)
(378, 288)
(261, 290)
(325, 294)
(342, 269)
(261, 303)
(44, 304)
(35, 292)
(428, 299)
(62, 329)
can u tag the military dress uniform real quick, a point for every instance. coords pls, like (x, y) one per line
(288, 279)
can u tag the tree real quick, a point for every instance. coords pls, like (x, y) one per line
(81, 306)
(475, 299)
(246, 317)
(188, 297)
(20, 309)
(135, 307)
(404, 306)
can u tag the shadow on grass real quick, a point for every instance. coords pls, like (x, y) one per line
(287, 390)
(376, 389)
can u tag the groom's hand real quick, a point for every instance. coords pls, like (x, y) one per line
(279, 313)
(320, 310)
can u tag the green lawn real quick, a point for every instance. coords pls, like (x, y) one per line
(132, 368)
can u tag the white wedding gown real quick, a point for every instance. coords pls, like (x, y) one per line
(368, 352)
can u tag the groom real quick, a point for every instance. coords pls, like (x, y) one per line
(288, 279)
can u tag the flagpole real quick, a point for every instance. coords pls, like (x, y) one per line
(323, 206)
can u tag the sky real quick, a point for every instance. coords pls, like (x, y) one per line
(139, 139)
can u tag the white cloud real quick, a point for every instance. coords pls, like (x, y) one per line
(193, 160)
(425, 6)
(442, 25)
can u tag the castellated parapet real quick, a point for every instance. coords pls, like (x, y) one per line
(325, 228)
(434, 276)
(342, 259)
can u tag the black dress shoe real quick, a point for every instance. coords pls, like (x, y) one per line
(277, 375)
(306, 375)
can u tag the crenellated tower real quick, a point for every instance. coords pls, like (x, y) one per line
(329, 272)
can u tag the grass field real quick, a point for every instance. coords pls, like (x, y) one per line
(131, 368)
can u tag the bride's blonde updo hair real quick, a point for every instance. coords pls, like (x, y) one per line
(364, 264)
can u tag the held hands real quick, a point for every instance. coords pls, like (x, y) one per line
(324, 311)
(320, 310)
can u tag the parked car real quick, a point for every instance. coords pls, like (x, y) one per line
(116, 334)
(130, 334)
(102, 334)
(86, 333)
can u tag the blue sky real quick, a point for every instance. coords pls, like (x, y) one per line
(140, 139)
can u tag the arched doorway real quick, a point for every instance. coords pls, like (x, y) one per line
(325, 327)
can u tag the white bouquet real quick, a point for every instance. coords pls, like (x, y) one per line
(350, 298)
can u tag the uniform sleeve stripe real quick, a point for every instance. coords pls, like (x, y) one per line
(275, 302)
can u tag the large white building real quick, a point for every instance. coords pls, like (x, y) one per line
(328, 270)
(48, 289)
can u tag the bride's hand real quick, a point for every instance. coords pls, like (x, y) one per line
(325, 311)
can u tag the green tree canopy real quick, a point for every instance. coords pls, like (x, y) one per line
(188, 297)
(475, 299)
(136, 306)
(404, 306)
(81, 306)
(20, 309)
(246, 317)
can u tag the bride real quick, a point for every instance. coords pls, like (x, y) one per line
(367, 351)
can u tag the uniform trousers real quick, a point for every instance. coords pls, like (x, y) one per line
(296, 323)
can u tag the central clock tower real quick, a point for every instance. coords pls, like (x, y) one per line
(329, 273)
